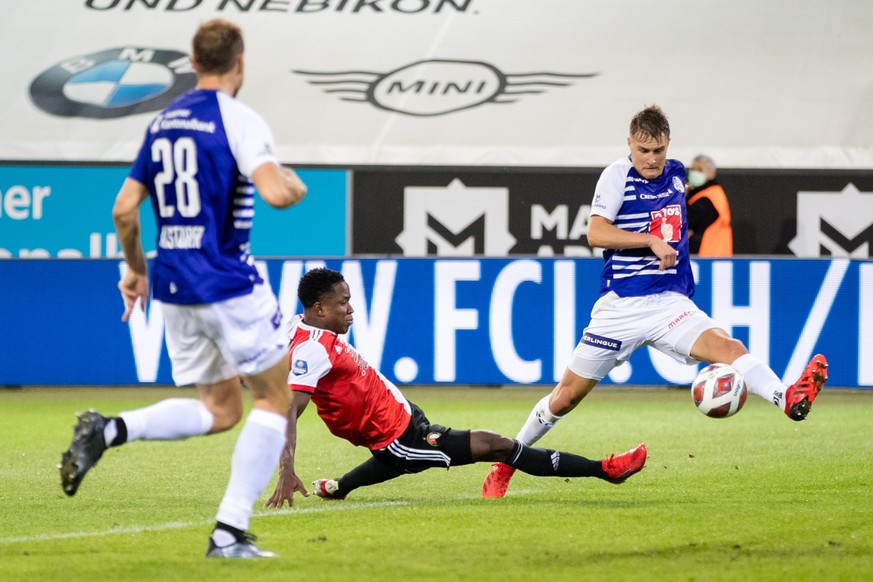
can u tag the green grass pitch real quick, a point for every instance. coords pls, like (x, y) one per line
(752, 497)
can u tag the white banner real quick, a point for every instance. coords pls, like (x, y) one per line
(775, 84)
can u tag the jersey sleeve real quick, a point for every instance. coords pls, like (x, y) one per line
(609, 192)
(248, 135)
(139, 171)
(309, 364)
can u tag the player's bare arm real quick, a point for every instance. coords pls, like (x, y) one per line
(125, 214)
(289, 483)
(602, 233)
(279, 186)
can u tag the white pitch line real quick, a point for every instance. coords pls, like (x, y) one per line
(329, 505)
(180, 525)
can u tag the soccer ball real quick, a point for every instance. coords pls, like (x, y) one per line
(719, 391)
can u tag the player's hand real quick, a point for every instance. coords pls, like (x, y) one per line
(133, 286)
(665, 252)
(285, 489)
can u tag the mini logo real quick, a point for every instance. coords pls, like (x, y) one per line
(300, 367)
(437, 86)
(834, 224)
(455, 221)
(432, 438)
(678, 185)
(113, 83)
(598, 341)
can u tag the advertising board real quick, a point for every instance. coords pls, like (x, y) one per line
(450, 321)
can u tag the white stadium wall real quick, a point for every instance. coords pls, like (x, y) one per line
(451, 148)
(775, 84)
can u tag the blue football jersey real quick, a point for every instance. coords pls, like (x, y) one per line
(655, 207)
(195, 160)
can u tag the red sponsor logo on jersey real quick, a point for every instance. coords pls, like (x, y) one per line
(679, 319)
(363, 366)
(666, 223)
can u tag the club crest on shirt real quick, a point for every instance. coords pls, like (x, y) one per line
(300, 367)
(677, 183)
(432, 438)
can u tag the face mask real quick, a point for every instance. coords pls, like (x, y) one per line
(696, 179)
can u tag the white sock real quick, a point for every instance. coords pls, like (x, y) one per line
(760, 379)
(110, 431)
(168, 420)
(222, 538)
(540, 421)
(254, 459)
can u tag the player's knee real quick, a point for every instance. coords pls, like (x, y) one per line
(569, 392)
(489, 446)
(733, 349)
(563, 401)
(226, 416)
(279, 399)
(502, 445)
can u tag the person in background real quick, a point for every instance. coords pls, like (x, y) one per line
(201, 160)
(709, 214)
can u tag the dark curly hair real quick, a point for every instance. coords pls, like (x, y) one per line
(316, 284)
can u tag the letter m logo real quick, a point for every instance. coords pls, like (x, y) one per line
(845, 245)
(834, 224)
(455, 221)
(439, 236)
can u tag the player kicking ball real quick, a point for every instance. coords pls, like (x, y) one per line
(638, 216)
(360, 405)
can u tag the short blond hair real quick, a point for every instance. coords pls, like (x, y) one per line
(216, 46)
(650, 122)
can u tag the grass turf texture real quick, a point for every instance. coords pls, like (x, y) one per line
(755, 496)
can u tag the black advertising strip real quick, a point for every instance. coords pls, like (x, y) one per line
(468, 211)
(450, 212)
(764, 204)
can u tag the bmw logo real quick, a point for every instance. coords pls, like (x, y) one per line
(113, 83)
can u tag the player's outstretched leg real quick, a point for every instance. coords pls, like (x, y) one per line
(546, 462)
(800, 395)
(619, 468)
(327, 489)
(85, 450)
(497, 481)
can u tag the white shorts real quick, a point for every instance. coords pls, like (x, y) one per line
(669, 321)
(217, 341)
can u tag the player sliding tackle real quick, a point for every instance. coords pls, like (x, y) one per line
(638, 216)
(360, 405)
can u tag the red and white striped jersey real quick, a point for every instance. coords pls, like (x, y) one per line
(356, 402)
